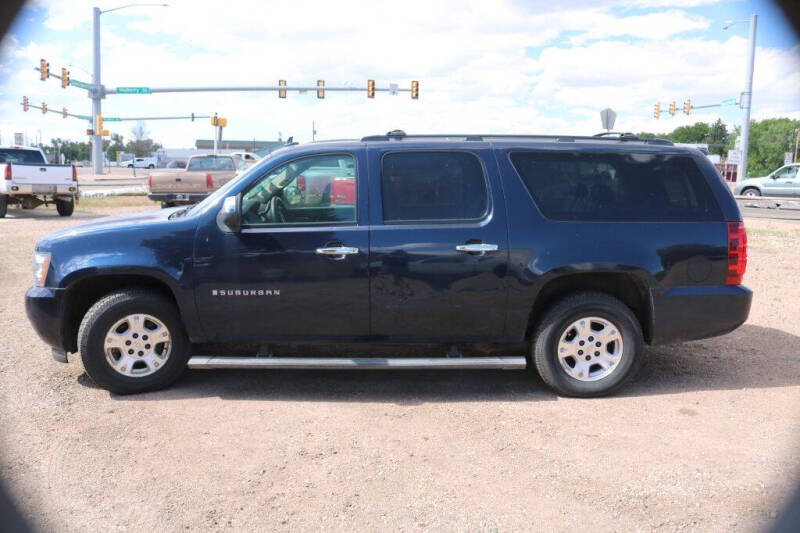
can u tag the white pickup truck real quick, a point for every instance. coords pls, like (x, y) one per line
(29, 181)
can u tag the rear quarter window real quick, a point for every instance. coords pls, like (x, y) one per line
(433, 186)
(616, 187)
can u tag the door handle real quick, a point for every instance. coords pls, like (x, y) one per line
(477, 247)
(337, 251)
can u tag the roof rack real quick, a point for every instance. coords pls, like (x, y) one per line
(399, 135)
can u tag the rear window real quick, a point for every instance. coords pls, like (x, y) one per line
(611, 187)
(432, 186)
(211, 163)
(10, 155)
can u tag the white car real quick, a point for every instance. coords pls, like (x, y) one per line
(141, 162)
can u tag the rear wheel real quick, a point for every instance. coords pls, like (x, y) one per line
(165, 205)
(133, 341)
(588, 344)
(65, 207)
(751, 192)
(3, 205)
(151, 166)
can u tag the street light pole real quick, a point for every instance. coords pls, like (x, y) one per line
(745, 102)
(96, 94)
(747, 96)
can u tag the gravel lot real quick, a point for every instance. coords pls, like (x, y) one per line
(707, 438)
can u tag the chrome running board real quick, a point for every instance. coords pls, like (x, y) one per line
(368, 363)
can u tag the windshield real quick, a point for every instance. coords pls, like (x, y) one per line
(211, 163)
(11, 155)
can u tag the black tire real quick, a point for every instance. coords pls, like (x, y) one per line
(165, 205)
(114, 307)
(3, 205)
(554, 324)
(751, 191)
(151, 166)
(65, 207)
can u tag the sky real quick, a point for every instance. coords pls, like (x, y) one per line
(510, 66)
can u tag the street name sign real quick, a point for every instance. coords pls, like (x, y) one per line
(133, 90)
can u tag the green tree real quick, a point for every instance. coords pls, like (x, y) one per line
(697, 133)
(769, 140)
(717, 138)
(116, 145)
(141, 145)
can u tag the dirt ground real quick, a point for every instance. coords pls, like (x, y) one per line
(706, 438)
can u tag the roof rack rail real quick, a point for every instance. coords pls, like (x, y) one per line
(399, 135)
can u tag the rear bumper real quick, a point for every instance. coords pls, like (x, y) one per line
(20, 189)
(691, 313)
(176, 197)
(43, 307)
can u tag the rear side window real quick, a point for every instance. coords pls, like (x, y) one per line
(433, 186)
(10, 155)
(616, 187)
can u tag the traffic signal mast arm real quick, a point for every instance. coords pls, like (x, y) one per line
(263, 88)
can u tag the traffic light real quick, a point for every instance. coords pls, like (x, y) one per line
(282, 92)
(414, 90)
(192, 117)
(672, 108)
(44, 108)
(657, 110)
(63, 112)
(98, 124)
(44, 70)
(24, 103)
(370, 88)
(214, 120)
(321, 92)
(64, 78)
(222, 122)
(687, 106)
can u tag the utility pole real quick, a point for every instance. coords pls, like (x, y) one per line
(796, 143)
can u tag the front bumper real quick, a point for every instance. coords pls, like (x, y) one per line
(44, 309)
(699, 312)
(176, 197)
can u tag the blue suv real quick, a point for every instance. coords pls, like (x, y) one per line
(564, 254)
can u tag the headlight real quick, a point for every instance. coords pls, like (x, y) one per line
(41, 262)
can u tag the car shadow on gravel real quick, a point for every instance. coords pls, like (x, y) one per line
(751, 357)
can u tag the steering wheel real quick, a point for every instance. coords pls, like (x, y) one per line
(277, 213)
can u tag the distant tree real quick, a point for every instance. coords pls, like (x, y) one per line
(694, 134)
(139, 131)
(116, 145)
(141, 145)
(717, 138)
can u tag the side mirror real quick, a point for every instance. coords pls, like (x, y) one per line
(230, 216)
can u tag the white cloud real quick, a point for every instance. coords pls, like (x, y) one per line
(471, 58)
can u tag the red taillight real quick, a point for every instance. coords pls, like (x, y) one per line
(74, 173)
(8, 171)
(737, 253)
(209, 182)
(149, 181)
(301, 182)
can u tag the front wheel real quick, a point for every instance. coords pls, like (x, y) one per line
(151, 166)
(133, 341)
(65, 207)
(751, 192)
(587, 345)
